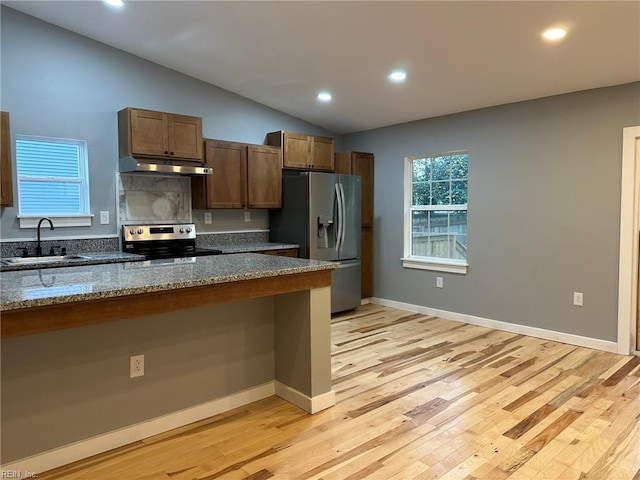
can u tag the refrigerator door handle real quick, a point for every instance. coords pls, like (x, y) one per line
(344, 215)
(340, 219)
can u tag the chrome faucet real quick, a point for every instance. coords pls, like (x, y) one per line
(38, 247)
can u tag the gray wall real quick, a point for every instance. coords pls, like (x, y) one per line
(65, 386)
(56, 83)
(544, 209)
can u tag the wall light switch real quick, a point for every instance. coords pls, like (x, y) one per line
(439, 282)
(207, 217)
(104, 217)
(247, 216)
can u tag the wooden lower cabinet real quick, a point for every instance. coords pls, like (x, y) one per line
(367, 262)
(288, 252)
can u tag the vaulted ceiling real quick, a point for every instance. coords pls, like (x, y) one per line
(458, 55)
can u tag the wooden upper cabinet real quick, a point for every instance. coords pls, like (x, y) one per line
(360, 163)
(6, 178)
(323, 153)
(225, 188)
(264, 176)
(342, 163)
(304, 152)
(185, 137)
(296, 151)
(244, 176)
(147, 133)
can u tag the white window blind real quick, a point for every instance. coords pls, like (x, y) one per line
(52, 176)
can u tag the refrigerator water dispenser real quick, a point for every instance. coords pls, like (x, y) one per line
(325, 221)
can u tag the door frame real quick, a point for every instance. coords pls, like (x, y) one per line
(629, 246)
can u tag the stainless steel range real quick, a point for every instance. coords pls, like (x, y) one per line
(163, 241)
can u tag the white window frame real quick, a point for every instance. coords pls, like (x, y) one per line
(438, 264)
(81, 219)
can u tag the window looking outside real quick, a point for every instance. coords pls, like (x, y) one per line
(436, 212)
(52, 178)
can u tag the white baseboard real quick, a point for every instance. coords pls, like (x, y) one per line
(102, 443)
(365, 301)
(310, 404)
(569, 338)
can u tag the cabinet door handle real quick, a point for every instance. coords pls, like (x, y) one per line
(166, 152)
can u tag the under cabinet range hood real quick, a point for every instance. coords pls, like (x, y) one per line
(157, 165)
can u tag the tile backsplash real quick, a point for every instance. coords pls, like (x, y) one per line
(153, 199)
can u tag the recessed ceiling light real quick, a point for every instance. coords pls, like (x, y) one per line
(554, 33)
(398, 76)
(324, 97)
(114, 3)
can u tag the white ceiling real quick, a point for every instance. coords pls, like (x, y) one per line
(458, 55)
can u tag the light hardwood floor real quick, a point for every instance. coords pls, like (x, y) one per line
(418, 397)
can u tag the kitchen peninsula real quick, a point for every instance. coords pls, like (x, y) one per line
(210, 327)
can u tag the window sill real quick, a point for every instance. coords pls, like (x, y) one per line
(30, 221)
(435, 264)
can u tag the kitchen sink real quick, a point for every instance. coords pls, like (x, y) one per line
(43, 259)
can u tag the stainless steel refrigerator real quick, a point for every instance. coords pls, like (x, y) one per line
(321, 212)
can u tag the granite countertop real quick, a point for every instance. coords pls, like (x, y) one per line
(87, 259)
(255, 247)
(40, 287)
(118, 257)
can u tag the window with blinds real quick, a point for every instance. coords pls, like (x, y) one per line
(52, 176)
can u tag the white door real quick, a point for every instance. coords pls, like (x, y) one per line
(629, 264)
(637, 278)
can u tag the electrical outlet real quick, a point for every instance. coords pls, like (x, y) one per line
(207, 217)
(136, 366)
(578, 299)
(104, 217)
(439, 282)
(247, 216)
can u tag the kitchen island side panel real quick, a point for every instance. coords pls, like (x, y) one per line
(303, 341)
(69, 385)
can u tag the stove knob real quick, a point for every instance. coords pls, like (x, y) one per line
(132, 231)
(140, 231)
(182, 230)
(188, 229)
